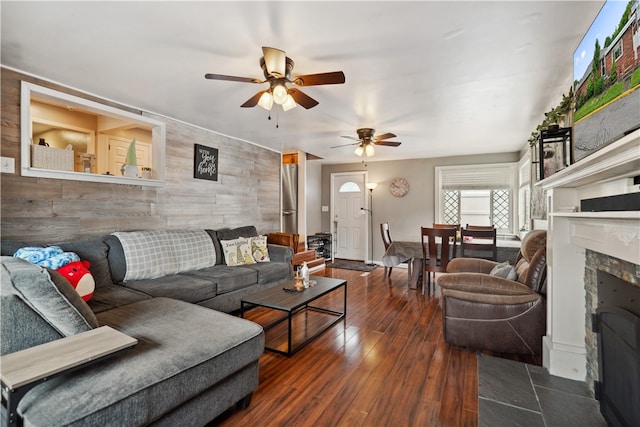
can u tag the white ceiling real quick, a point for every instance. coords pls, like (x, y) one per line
(449, 78)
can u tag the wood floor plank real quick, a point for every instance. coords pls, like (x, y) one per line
(385, 364)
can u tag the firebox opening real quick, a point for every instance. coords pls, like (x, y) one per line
(618, 330)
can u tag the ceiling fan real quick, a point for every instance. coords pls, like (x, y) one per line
(277, 67)
(366, 140)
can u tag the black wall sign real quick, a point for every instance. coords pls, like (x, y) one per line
(205, 164)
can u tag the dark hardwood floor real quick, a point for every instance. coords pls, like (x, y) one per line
(385, 364)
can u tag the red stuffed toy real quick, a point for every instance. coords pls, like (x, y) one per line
(78, 274)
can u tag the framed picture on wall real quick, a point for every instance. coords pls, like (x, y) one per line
(205, 165)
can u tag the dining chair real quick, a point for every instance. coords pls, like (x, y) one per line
(479, 242)
(386, 239)
(480, 227)
(457, 238)
(438, 248)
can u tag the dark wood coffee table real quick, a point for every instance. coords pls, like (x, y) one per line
(297, 303)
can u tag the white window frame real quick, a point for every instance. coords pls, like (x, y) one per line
(486, 177)
(158, 133)
(617, 49)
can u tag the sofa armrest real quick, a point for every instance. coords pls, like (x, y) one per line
(279, 253)
(470, 265)
(493, 300)
(482, 284)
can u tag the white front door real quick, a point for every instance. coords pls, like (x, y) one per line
(349, 221)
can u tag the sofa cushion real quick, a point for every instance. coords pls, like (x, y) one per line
(115, 257)
(270, 271)
(237, 251)
(227, 279)
(112, 296)
(216, 245)
(234, 233)
(95, 251)
(179, 286)
(157, 253)
(522, 268)
(50, 295)
(182, 351)
(533, 241)
(21, 327)
(9, 247)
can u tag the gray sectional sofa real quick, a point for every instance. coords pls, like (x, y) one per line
(192, 362)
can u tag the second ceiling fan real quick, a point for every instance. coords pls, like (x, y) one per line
(276, 67)
(366, 140)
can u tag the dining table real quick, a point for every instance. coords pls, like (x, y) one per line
(410, 252)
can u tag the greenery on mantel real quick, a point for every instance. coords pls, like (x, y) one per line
(554, 116)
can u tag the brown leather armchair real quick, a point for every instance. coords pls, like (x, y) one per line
(488, 312)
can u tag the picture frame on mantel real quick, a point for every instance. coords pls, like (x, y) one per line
(205, 164)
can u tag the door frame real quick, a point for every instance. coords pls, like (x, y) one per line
(334, 236)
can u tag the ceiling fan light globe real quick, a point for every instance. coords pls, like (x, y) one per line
(289, 103)
(280, 94)
(358, 151)
(266, 101)
(370, 151)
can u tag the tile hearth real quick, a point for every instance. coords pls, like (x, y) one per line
(517, 394)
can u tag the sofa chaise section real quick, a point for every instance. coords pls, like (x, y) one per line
(190, 364)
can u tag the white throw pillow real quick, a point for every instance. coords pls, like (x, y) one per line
(237, 251)
(259, 250)
(504, 270)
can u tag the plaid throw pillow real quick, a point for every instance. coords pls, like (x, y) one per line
(151, 254)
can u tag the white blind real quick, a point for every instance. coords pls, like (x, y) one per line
(476, 177)
(525, 174)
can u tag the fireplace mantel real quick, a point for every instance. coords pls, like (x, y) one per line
(607, 172)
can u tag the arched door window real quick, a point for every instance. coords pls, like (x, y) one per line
(349, 187)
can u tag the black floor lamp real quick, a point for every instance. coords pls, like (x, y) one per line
(371, 186)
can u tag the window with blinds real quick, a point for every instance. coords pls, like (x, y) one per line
(478, 195)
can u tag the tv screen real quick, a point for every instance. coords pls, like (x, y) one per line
(606, 74)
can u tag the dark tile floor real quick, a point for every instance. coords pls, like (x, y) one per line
(518, 394)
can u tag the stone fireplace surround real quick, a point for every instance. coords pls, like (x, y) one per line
(579, 243)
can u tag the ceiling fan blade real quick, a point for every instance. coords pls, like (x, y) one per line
(303, 99)
(332, 78)
(344, 145)
(232, 78)
(253, 101)
(384, 136)
(350, 137)
(388, 143)
(275, 61)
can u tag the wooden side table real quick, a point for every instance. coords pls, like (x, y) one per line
(23, 370)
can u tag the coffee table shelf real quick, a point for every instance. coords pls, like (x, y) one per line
(317, 319)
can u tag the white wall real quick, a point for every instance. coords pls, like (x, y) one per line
(407, 214)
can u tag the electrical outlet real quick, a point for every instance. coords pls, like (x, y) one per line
(7, 165)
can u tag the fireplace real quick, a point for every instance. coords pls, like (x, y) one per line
(579, 245)
(616, 325)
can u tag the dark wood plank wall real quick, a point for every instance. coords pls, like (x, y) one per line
(49, 210)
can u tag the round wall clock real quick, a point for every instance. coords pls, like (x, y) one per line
(399, 187)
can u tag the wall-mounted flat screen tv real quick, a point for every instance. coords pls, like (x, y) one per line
(606, 73)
